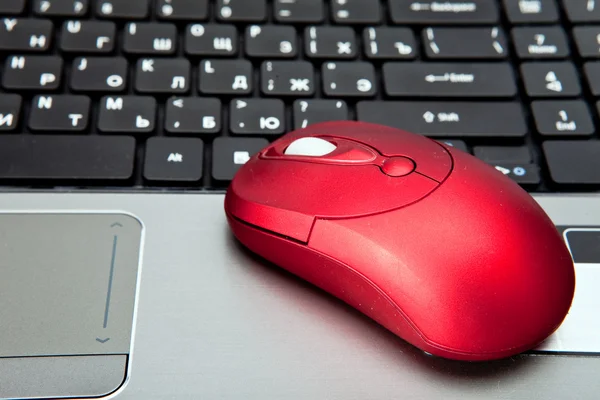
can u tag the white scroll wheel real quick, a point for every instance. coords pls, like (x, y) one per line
(310, 146)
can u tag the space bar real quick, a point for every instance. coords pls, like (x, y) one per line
(66, 157)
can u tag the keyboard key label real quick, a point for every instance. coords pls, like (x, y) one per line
(469, 12)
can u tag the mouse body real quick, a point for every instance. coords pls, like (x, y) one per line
(432, 243)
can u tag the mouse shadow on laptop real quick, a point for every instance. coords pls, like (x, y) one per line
(395, 350)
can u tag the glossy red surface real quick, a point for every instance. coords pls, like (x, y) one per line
(469, 269)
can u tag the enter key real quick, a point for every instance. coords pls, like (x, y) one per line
(421, 79)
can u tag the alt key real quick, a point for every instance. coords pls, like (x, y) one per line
(173, 159)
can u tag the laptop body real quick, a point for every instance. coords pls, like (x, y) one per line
(139, 291)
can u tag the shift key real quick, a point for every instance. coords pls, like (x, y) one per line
(449, 79)
(448, 119)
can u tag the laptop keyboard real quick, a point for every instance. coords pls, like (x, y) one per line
(178, 94)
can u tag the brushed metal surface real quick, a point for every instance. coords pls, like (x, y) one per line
(214, 322)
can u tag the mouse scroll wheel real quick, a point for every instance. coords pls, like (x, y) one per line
(310, 146)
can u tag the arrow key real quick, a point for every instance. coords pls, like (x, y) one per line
(523, 174)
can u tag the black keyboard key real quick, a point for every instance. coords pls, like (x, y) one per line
(465, 43)
(123, 9)
(229, 154)
(287, 78)
(131, 114)
(587, 39)
(582, 10)
(356, 11)
(540, 42)
(88, 36)
(241, 10)
(174, 159)
(503, 154)
(449, 79)
(211, 40)
(25, 34)
(150, 38)
(531, 11)
(458, 144)
(443, 12)
(32, 72)
(193, 115)
(592, 74)
(523, 174)
(162, 75)
(10, 110)
(550, 79)
(271, 41)
(12, 7)
(562, 117)
(196, 10)
(60, 8)
(573, 162)
(389, 43)
(226, 77)
(99, 74)
(66, 157)
(448, 119)
(304, 11)
(330, 42)
(308, 112)
(257, 116)
(349, 78)
(59, 113)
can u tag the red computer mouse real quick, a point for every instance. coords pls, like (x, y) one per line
(435, 245)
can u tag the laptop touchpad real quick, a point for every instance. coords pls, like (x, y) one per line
(68, 286)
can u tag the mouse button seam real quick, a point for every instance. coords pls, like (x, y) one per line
(270, 232)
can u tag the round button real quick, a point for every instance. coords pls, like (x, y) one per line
(398, 166)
